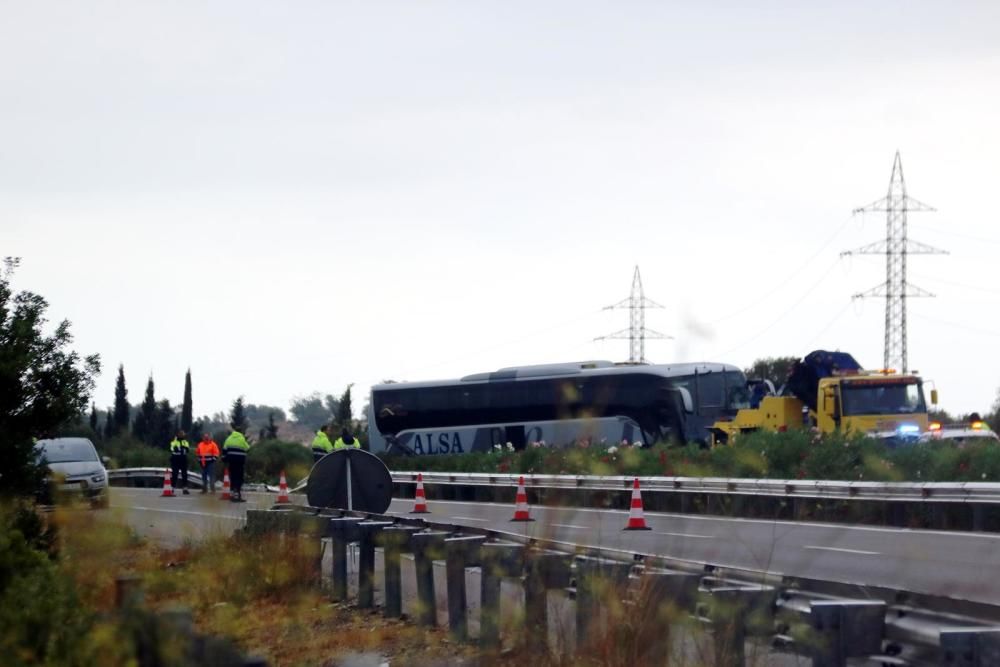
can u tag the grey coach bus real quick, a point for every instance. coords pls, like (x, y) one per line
(556, 404)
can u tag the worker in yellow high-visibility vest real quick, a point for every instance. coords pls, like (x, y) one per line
(179, 448)
(235, 450)
(347, 440)
(321, 445)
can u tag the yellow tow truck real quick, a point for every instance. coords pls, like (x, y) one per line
(829, 391)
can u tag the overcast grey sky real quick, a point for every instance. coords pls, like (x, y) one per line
(288, 197)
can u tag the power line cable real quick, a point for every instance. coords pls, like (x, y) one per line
(923, 276)
(788, 277)
(950, 232)
(488, 348)
(976, 330)
(829, 324)
(956, 284)
(785, 314)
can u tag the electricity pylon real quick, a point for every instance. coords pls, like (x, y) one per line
(637, 333)
(896, 289)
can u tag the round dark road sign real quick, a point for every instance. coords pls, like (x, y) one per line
(350, 479)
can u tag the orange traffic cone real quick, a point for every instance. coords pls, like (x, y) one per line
(168, 488)
(225, 486)
(282, 490)
(419, 499)
(521, 503)
(636, 520)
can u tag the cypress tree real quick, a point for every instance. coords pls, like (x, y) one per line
(197, 429)
(144, 427)
(121, 402)
(344, 408)
(238, 415)
(93, 419)
(187, 418)
(164, 428)
(109, 424)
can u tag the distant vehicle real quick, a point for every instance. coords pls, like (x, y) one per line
(960, 434)
(75, 468)
(555, 404)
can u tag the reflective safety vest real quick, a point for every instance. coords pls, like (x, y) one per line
(321, 443)
(236, 445)
(340, 444)
(179, 447)
(207, 451)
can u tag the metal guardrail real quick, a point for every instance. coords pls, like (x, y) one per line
(156, 475)
(948, 492)
(827, 622)
(886, 626)
(937, 505)
(920, 492)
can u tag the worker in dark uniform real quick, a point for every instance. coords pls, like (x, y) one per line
(321, 444)
(235, 449)
(179, 448)
(347, 440)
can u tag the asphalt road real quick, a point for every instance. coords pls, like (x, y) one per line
(958, 565)
(172, 521)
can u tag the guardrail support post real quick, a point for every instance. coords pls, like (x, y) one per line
(394, 540)
(460, 553)
(730, 608)
(978, 517)
(178, 632)
(427, 547)
(128, 592)
(544, 570)
(367, 534)
(970, 647)
(592, 577)
(666, 592)
(846, 629)
(498, 560)
(342, 532)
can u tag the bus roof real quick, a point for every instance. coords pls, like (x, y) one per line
(579, 368)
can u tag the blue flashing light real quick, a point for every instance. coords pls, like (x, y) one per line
(908, 429)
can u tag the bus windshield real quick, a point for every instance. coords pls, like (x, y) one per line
(725, 391)
(882, 399)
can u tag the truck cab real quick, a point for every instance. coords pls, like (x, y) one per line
(829, 391)
(882, 404)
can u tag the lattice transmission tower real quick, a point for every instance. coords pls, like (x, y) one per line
(896, 247)
(637, 333)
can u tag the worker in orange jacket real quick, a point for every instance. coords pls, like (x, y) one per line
(207, 453)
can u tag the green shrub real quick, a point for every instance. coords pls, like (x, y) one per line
(268, 458)
(792, 455)
(41, 619)
(265, 461)
(128, 452)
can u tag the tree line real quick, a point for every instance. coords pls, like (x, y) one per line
(154, 422)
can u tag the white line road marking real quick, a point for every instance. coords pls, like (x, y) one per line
(843, 551)
(769, 522)
(701, 537)
(157, 509)
(469, 518)
(570, 526)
